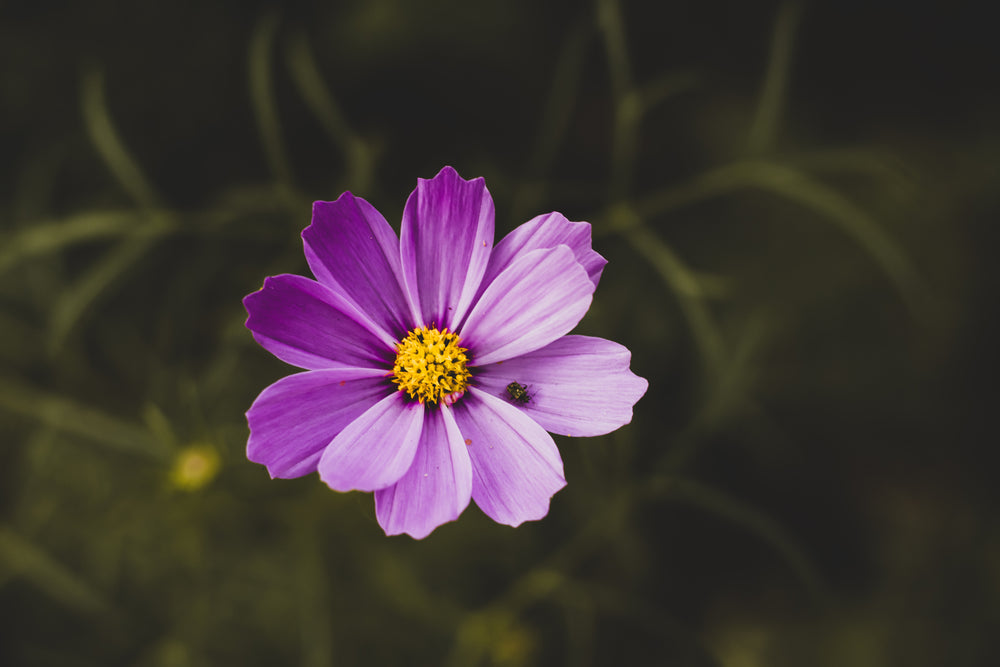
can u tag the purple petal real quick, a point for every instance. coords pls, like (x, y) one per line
(352, 250)
(307, 325)
(516, 468)
(539, 297)
(578, 385)
(436, 488)
(294, 419)
(445, 240)
(376, 449)
(546, 231)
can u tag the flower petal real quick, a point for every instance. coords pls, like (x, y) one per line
(546, 231)
(294, 419)
(445, 242)
(436, 488)
(307, 325)
(516, 467)
(376, 449)
(539, 297)
(578, 385)
(352, 250)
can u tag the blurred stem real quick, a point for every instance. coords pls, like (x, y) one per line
(109, 145)
(312, 585)
(72, 303)
(43, 237)
(555, 119)
(20, 557)
(537, 583)
(895, 178)
(730, 394)
(628, 106)
(71, 417)
(665, 87)
(306, 75)
(752, 520)
(550, 577)
(771, 103)
(609, 20)
(263, 97)
(682, 283)
(796, 186)
(478, 630)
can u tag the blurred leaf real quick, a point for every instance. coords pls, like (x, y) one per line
(71, 417)
(22, 558)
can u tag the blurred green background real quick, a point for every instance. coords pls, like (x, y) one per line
(799, 204)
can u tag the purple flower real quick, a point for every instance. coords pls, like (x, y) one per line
(436, 362)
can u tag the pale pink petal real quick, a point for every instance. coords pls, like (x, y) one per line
(436, 488)
(539, 297)
(376, 449)
(516, 467)
(578, 385)
(294, 419)
(546, 231)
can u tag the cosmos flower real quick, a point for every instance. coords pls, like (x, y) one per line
(436, 362)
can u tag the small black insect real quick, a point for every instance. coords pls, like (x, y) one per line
(518, 393)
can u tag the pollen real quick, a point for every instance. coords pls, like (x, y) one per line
(431, 366)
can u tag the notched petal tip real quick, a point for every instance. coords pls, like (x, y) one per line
(537, 299)
(516, 465)
(436, 488)
(547, 231)
(449, 171)
(581, 386)
(293, 420)
(352, 250)
(305, 324)
(446, 238)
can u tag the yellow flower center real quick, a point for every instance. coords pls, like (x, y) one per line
(194, 467)
(430, 366)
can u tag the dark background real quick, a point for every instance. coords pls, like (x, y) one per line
(798, 203)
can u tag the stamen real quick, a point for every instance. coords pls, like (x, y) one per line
(431, 366)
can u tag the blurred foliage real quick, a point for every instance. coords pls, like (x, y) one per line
(796, 202)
